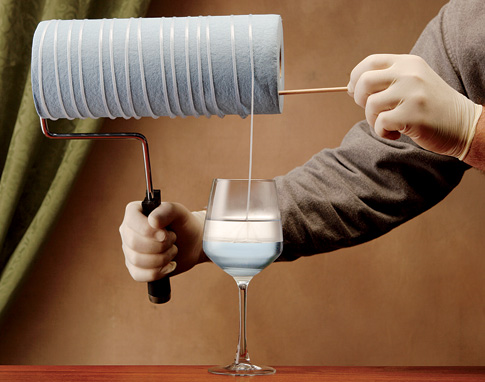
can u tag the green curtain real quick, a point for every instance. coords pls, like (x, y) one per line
(36, 173)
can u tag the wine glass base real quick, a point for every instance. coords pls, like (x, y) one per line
(243, 368)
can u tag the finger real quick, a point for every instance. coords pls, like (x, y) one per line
(381, 102)
(168, 214)
(143, 244)
(391, 112)
(370, 83)
(372, 62)
(388, 126)
(149, 261)
(136, 221)
(147, 275)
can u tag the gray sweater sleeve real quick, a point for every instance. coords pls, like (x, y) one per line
(369, 185)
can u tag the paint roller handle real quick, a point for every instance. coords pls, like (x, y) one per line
(159, 291)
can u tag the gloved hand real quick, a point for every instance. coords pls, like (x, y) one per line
(402, 94)
(152, 250)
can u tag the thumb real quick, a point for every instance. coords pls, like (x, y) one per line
(350, 89)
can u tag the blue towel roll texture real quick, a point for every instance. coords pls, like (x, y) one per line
(150, 67)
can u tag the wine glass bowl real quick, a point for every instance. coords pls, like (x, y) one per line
(243, 235)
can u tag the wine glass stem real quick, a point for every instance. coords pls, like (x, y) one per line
(242, 355)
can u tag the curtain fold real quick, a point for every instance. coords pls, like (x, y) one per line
(36, 173)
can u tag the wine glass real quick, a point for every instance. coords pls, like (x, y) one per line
(243, 235)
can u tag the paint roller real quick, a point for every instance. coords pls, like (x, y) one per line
(151, 67)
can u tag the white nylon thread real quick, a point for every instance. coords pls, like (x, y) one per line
(187, 67)
(81, 79)
(129, 96)
(56, 71)
(142, 72)
(112, 67)
(39, 66)
(69, 71)
(101, 74)
(164, 78)
(199, 68)
(239, 106)
(251, 56)
(218, 111)
(172, 62)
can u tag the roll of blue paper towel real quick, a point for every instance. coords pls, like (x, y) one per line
(151, 67)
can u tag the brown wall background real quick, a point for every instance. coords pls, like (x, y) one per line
(413, 297)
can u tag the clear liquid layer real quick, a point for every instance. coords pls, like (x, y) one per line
(243, 231)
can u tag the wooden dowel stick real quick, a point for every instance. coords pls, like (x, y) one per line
(309, 91)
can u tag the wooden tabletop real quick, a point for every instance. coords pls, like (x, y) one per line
(200, 374)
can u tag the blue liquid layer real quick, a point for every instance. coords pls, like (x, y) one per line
(242, 259)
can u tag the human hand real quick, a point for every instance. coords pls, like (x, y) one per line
(168, 241)
(402, 94)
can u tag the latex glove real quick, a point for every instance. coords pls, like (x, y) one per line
(152, 250)
(402, 94)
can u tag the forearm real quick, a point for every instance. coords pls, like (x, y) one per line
(476, 154)
(359, 191)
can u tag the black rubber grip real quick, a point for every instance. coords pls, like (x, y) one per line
(159, 291)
